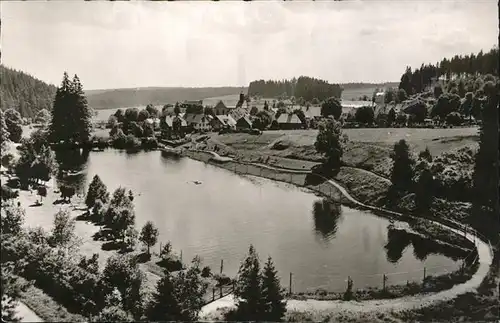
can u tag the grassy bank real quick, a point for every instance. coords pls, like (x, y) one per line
(431, 284)
(45, 307)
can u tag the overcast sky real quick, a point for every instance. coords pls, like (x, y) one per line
(138, 44)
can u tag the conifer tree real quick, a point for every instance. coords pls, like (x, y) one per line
(60, 125)
(71, 116)
(164, 305)
(273, 304)
(97, 191)
(486, 169)
(248, 291)
(402, 170)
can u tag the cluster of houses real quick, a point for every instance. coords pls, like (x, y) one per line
(230, 117)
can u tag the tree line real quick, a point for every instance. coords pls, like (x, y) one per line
(24, 93)
(415, 81)
(306, 87)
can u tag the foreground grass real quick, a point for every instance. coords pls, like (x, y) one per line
(45, 307)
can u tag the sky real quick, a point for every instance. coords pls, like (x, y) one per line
(229, 43)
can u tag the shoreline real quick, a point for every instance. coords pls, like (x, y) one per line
(470, 270)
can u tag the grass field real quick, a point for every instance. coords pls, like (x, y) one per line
(438, 140)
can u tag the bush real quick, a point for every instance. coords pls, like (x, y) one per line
(149, 143)
(454, 119)
(365, 115)
(132, 142)
(56, 274)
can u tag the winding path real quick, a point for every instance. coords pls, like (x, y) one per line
(26, 314)
(485, 259)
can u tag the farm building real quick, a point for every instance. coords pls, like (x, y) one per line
(221, 109)
(243, 123)
(198, 122)
(311, 112)
(289, 121)
(223, 121)
(173, 125)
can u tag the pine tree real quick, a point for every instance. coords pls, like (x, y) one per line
(71, 116)
(402, 170)
(273, 304)
(248, 291)
(83, 115)
(486, 169)
(164, 305)
(97, 191)
(60, 125)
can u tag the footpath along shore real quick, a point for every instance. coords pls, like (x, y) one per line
(485, 258)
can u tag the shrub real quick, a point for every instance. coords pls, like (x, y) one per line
(365, 115)
(454, 118)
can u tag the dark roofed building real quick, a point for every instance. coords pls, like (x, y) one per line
(244, 123)
(289, 121)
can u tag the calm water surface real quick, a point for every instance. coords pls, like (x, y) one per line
(221, 217)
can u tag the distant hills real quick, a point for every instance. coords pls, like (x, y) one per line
(121, 98)
(28, 94)
(24, 92)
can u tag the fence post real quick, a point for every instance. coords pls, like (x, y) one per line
(213, 294)
(221, 265)
(290, 286)
(383, 282)
(220, 289)
(424, 274)
(160, 248)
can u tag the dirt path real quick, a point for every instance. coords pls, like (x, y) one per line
(403, 303)
(26, 314)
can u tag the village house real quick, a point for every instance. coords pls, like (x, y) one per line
(244, 123)
(289, 121)
(174, 125)
(223, 122)
(221, 109)
(198, 122)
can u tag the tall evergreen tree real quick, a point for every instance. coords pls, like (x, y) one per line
(402, 170)
(83, 114)
(486, 169)
(273, 304)
(71, 116)
(60, 125)
(164, 306)
(248, 291)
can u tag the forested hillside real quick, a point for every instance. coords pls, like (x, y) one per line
(24, 93)
(120, 98)
(415, 81)
(304, 87)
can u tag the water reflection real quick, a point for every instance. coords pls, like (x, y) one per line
(326, 214)
(397, 242)
(400, 239)
(71, 163)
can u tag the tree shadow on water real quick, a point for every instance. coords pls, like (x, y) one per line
(326, 214)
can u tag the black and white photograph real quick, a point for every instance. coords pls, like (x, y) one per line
(250, 161)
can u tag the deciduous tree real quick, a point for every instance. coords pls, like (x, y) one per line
(64, 229)
(330, 142)
(13, 122)
(331, 107)
(149, 235)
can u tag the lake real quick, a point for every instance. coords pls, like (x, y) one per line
(320, 243)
